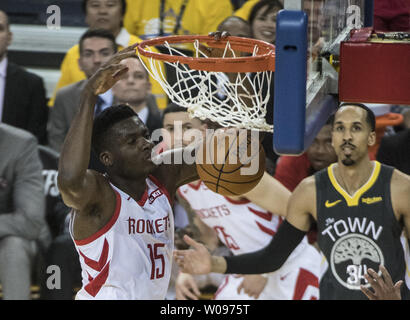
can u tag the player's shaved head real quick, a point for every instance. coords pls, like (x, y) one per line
(370, 117)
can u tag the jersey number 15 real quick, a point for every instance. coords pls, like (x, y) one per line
(156, 273)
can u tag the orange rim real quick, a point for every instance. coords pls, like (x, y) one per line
(263, 61)
(389, 119)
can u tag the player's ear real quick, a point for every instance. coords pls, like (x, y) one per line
(371, 140)
(106, 158)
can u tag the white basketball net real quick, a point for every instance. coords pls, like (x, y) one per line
(210, 95)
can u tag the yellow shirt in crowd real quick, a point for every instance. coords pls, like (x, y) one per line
(244, 11)
(199, 17)
(71, 72)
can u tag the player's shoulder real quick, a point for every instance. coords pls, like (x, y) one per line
(400, 181)
(305, 191)
(307, 183)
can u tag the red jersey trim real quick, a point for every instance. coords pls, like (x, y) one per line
(241, 201)
(265, 229)
(95, 284)
(144, 197)
(162, 187)
(195, 186)
(181, 194)
(221, 287)
(107, 227)
(264, 215)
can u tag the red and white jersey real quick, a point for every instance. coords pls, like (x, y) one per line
(241, 225)
(131, 256)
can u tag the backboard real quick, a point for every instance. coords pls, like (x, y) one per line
(306, 76)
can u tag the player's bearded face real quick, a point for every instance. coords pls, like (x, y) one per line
(350, 135)
(347, 154)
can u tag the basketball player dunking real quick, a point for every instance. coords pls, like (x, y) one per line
(361, 207)
(122, 222)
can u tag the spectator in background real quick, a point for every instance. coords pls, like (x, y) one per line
(22, 209)
(148, 19)
(22, 94)
(95, 48)
(108, 15)
(244, 10)
(291, 170)
(261, 26)
(134, 89)
(262, 20)
(392, 15)
(236, 26)
(253, 8)
(394, 150)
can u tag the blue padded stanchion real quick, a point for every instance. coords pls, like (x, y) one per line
(290, 82)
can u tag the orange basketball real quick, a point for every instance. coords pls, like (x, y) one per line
(230, 163)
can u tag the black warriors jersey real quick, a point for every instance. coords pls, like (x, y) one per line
(356, 233)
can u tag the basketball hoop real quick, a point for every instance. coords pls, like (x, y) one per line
(201, 84)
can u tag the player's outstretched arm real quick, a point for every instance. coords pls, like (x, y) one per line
(291, 232)
(270, 195)
(77, 185)
(198, 260)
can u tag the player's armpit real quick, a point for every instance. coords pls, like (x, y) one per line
(82, 194)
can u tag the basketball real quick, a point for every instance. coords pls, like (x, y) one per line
(230, 163)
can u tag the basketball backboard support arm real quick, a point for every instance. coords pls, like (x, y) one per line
(303, 104)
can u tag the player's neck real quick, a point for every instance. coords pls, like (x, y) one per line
(351, 178)
(135, 188)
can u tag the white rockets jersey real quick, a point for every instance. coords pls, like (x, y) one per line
(240, 225)
(131, 256)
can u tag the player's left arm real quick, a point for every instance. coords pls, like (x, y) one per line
(270, 195)
(400, 195)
